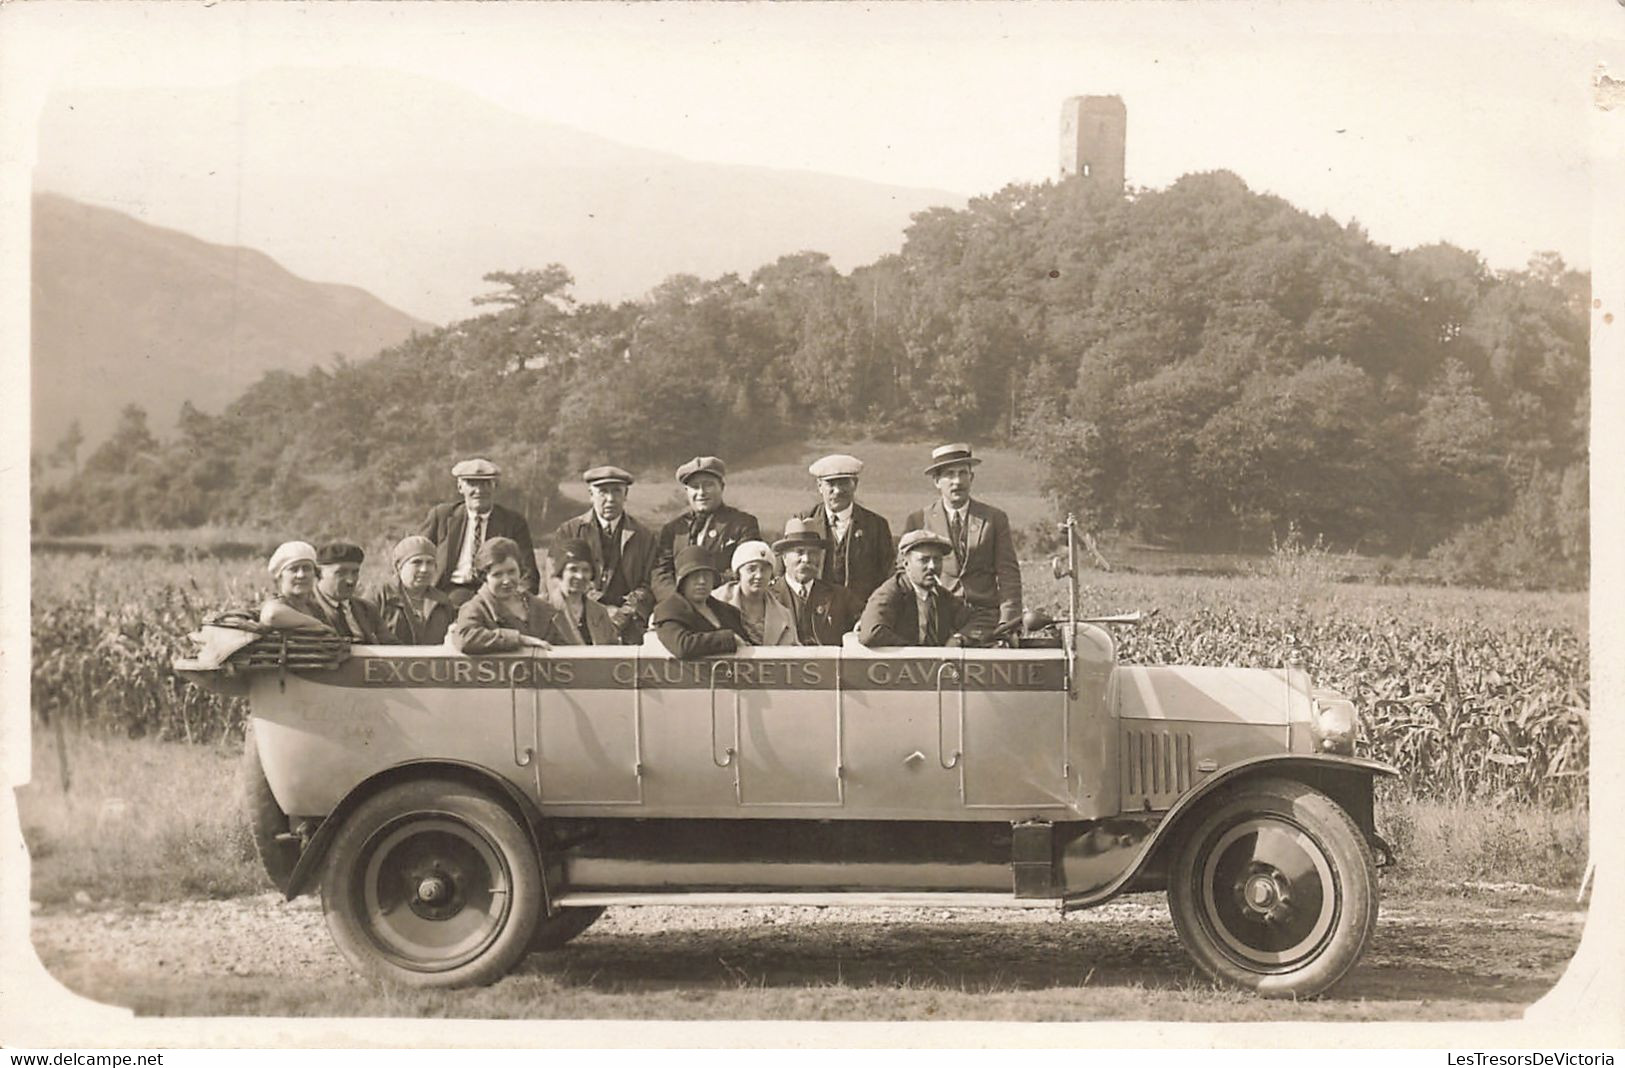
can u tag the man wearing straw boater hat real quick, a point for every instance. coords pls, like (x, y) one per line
(458, 529)
(858, 548)
(623, 550)
(981, 563)
(822, 611)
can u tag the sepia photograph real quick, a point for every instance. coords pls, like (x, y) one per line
(1035, 523)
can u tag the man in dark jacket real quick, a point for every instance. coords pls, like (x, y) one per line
(338, 570)
(859, 553)
(459, 528)
(411, 610)
(981, 564)
(822, 611)
(623, 551)
(709, 523)
(912, 607)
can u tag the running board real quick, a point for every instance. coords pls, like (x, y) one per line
(835, 899)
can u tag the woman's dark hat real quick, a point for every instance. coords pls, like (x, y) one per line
(574, 551)
(694, 559)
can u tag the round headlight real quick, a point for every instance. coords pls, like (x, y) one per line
(1333, 723)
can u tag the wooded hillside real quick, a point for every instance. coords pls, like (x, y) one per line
(1201, 365)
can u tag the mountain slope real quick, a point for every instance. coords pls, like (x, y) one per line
(415, 189)
(126, 312)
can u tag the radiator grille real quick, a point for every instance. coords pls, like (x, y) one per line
(1156, 765)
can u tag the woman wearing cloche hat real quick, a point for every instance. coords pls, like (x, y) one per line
(412, 611)
(582, 620)
(691, 623)
(767, 622)
(293, 606)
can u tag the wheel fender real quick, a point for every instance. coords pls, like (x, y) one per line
(1347, 780)
(303, 879)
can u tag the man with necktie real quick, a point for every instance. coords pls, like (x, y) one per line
(859, 551)
(459, 528)
(822, 611)
(338, 571)
(622, 548)
(912, 607)
(709, 523)
(981, 563)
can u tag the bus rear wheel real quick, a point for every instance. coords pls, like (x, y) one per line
(432, 883)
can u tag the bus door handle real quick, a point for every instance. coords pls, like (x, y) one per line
(732, 751)
(521, 756)
(950, 671)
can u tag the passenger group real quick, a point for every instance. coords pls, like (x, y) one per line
(706, 583)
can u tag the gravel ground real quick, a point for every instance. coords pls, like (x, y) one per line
(1475, 952)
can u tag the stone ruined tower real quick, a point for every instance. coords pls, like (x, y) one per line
(1094, 130)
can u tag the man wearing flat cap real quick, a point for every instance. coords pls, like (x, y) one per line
(822, 611)
(912, 607)
(623, 551)
(981, 563)
(709, 523)
(458, 529)
(410, 610)
(859, 553)
(338, 570)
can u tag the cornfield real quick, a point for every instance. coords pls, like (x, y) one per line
(1473, 696)
(1465, 709)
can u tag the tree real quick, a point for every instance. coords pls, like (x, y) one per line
(66, 451)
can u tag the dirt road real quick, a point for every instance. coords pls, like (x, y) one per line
(1471, 952)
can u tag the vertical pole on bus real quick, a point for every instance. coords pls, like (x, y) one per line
(1072, 567)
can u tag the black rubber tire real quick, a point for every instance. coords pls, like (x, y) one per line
(263, 817)
(1273, 889)
(426, 861)
(554, 931)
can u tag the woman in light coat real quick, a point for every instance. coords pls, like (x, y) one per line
(767, 620)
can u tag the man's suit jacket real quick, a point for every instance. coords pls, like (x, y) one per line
(446, 525)
(866, 558)
(399, 616)
(688, 635)
(728, 527)
(892, 616)
(631, 581)
(828, 612)
(986, 571)
(373, 631)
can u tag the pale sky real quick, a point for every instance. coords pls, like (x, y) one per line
(1426, 121)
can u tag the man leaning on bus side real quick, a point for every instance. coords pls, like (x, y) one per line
(981, 563)
(623, 550)
(458, 529)
(338, 571)
(912, 607)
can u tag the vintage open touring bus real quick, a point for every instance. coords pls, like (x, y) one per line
(458, 812)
